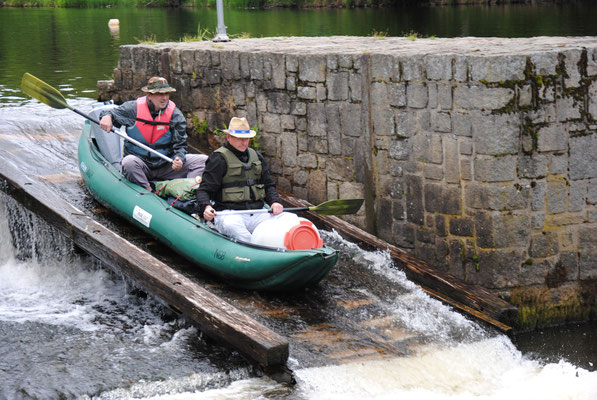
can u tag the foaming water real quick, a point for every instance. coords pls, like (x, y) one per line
(70, 328)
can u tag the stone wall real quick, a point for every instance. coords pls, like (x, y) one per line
(478, 155)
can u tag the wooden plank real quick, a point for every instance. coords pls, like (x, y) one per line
(214, 316)
(471, 299)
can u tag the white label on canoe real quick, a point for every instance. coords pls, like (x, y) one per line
(142, 216)
(243, 259)
(83, 167)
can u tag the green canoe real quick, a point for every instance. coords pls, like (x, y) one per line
(239, 264)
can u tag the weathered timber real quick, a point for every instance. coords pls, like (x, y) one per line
(473, 300)
(216, 318)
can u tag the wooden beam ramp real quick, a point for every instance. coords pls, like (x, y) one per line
(215, 317)
(470, 299)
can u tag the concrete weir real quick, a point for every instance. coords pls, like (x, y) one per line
(476, 155)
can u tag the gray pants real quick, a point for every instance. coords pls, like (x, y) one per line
(136, 171)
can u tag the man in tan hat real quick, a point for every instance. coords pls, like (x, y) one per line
(236, 177)
(156, 122)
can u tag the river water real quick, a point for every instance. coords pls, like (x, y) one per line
(71, 328)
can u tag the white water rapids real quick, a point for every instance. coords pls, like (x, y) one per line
(70, 328)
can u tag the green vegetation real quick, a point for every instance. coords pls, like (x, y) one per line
(237, 3)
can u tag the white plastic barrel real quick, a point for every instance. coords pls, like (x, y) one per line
(289, 231)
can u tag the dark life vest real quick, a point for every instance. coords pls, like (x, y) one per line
(241, 184)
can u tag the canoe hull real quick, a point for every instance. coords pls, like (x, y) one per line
(239, 264)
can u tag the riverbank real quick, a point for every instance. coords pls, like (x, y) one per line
(260, 3)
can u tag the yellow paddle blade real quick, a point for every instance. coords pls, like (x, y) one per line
(43, 92)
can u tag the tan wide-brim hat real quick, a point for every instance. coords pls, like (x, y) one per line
(158, 84)
(239, 127)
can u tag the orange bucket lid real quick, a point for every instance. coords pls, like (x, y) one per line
(302, 237)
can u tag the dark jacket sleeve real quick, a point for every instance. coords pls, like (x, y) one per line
(211, 181)
(178, 128)
(123, 115)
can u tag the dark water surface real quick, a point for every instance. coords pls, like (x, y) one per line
(73, 48)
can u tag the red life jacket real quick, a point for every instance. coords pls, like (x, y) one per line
(153, 129)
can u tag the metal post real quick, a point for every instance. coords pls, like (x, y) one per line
(221, 35)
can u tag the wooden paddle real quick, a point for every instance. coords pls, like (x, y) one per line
(45, 93)
(331, 207)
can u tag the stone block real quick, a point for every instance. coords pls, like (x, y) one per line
(442, 198)
(344, 61)
(271, 123)
(384, 68)
(578, 195)
(417, 95)
(465, 146)
(383, 120)
(298, 108)
(352, 190)
(460, 68)
(397, 94)
(230, 65)
(427, 148)
(317, 187)
(558, 164)
(571, 62)
(306, 92)
(587, 239)
(537, 221)
(278, 102)
(412, 68)
(511, 230)
(433, 172)
(438, 67)
(291, 83)
(545, 63)
(567, 109)
(316, 119)
(243, 63)
(496, 134)
(256, 66)
(557, 196)
(321, 92)
(291, 63)
(498, 197)
(544, 244)
(334, 132)
(441, 121)
(583, 157)
(300, 177)
(495, 169)
(307, 160)
(350, 119)
(379, 94)
(553, 137)
(525, 95)
(538, 196)
(444, 96)
(592, 191)
(278, 70)
(337, 84)
(399, 149)
(593, 100)
(497, 68)
(404, 234)
(312, 68)
(317, 145)
(482, 98)
(354, 83)
(462, 226)
(340, 168)
(495, 269)
(414, 199)
(461, 124)
(532, 167)
(451, 160)
(287, 122)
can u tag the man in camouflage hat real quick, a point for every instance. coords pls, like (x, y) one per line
(156, 122)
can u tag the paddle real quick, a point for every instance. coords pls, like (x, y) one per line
(45, 93)
(331, 207)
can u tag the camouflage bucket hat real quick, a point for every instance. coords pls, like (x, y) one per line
(158, 85)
